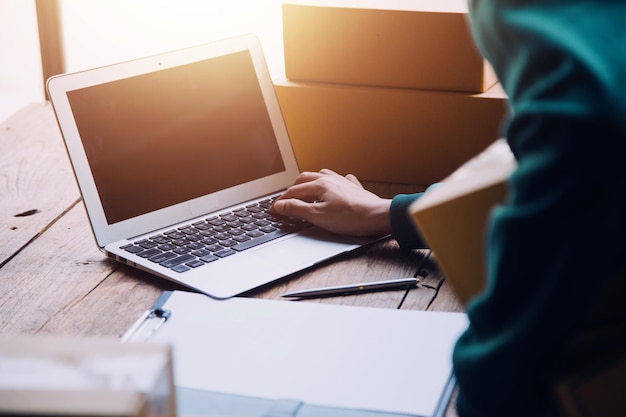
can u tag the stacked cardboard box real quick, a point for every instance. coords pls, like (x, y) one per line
(389, 90)
(67, 376)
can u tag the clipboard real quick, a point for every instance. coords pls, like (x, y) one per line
(254, 357)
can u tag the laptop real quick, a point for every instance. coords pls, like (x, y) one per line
(178, 156)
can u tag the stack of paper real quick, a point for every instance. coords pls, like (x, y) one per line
(319, 356)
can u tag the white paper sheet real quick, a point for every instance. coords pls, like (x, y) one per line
(339, 356)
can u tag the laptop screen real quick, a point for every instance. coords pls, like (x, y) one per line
(169, 136)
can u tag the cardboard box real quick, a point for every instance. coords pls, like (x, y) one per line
(421, 44)
(45, 376)
(452, 217)
(387, 134)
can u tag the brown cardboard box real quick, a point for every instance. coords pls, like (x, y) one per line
(422, 44)
(388, 134)
(452, 217)
(46, 375)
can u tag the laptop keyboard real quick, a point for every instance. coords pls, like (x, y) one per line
(217, 237)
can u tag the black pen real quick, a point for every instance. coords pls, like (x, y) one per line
(394, 284)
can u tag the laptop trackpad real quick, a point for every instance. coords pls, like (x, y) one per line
(277, 259)
(302, 250)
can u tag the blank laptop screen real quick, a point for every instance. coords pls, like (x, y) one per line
(169, 136)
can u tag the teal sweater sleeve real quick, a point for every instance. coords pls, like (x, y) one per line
(402, 228)
(560, 235)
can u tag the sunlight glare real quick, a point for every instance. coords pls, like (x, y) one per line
(101, 32)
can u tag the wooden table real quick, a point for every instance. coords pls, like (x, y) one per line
(54, 280)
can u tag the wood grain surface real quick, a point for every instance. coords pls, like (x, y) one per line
(54, 279)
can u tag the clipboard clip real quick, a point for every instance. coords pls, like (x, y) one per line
(149, 322)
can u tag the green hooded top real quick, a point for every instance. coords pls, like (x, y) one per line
(562, 233)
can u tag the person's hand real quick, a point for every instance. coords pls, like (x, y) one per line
(336, 203)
